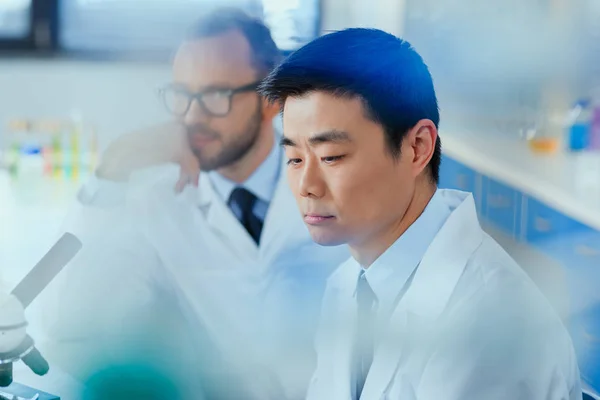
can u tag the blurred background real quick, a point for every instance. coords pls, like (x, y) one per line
(518, 83)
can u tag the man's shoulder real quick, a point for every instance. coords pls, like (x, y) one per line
(492, 272)
(502, 302)
(497, 311)
(494, 291)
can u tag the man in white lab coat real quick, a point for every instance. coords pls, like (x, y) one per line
(225, 245)
(429, 307)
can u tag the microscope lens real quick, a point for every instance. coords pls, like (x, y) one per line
(6, 374)
(36, 362)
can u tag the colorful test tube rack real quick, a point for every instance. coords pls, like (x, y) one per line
(68, 149)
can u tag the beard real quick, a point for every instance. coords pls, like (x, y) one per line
(233, 149)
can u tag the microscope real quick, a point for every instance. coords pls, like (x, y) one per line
(15, 344)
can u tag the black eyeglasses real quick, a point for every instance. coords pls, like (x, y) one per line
(215, 101)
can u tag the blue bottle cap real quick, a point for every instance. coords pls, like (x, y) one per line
(584, 103)
(31, 150)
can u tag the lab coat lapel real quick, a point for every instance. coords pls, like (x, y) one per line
(336, 376)
(434, 282)
(342, 372)
(221, 220)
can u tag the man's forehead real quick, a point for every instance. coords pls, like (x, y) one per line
(322, 108)
(321, 112)
(223, 56)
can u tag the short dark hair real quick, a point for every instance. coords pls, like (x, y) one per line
(384, 71)
(265, 54)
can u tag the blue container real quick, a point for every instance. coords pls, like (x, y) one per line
(579, 137)
(580, 130)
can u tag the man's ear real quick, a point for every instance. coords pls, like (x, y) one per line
(422, 139)
(270, 109)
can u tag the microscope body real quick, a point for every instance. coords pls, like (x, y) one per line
(15, 344)
(12, 323)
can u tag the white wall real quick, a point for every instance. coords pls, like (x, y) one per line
(115, 96)
(388, 15)
(120, 96)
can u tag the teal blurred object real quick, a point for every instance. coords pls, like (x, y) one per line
(131, 381)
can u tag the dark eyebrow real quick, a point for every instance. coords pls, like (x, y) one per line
(286, 142)
(333, 136)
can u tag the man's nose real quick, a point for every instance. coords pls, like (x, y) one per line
(311, 182)
(195, 114)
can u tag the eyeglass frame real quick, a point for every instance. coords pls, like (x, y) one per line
(198, 97)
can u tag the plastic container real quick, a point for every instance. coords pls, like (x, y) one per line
(29, 177)
(544, 145)
(578, 137)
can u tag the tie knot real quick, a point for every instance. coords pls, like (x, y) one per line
(243, 198)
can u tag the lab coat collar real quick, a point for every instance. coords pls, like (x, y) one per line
(388, 275)
(206, 192)
(220, 218)
(445, 260)
(430, 291)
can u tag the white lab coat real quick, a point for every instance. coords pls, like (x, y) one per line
(472, 325)
(258, 305)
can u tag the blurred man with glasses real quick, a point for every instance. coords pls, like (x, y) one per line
(196, 216)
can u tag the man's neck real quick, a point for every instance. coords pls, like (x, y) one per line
(370, 250)
(240, 171)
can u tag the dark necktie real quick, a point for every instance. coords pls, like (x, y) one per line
(364, 346)
(245, 201)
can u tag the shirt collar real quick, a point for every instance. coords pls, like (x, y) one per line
(261, 183)
(389, 274)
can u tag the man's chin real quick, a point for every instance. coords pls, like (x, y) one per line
(323, 238)
(216, 158)
(208, 164)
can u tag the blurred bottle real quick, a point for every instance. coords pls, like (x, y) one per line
(91, 156)
(587, 162)
(29, 177)
(66, 142)
(579, 121)
(549, 134)
(11, 145)
(76, 133)
(57, 156)
(12, 159)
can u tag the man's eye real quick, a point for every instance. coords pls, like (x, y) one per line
(331, 159)
(294, 161)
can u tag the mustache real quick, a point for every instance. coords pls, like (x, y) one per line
(202, 130)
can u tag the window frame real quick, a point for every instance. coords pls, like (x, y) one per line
(43, 29)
